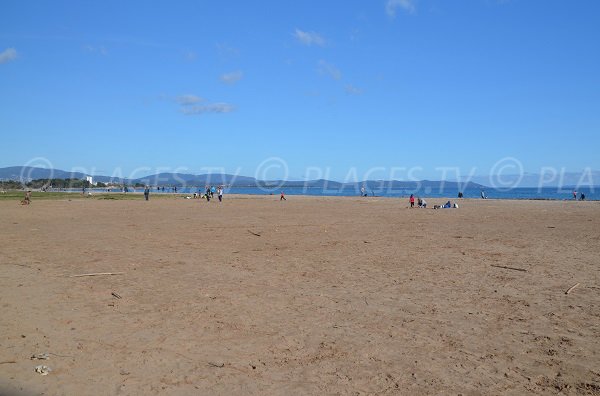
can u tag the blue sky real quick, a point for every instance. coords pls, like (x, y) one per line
(329, 87)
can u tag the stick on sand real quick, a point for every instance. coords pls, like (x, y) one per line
(253, 233)
(571, 288)
(96, 274)
(510, 268)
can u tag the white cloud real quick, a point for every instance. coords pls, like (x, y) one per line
(329, 70)
(232, 78)
(392, 5)
(352, 90)
(188, 99)
(209, 108)
(309, 38)
(8, 55)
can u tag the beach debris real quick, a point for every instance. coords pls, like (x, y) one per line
(40, 356)
(115, 295)
(123, 372)
(8, 362)
(572, 287)
(254, 233)
(42, 369)
(96, 274)
(218, 365)
(510, 268)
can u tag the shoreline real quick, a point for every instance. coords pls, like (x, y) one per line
(7, 194)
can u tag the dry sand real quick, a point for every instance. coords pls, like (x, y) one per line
(336, 296)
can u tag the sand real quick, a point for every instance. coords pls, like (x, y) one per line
(336, 296)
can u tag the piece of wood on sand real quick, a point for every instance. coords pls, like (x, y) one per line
(96, 274)
(253, 233)
(570, 289)
(510, 268)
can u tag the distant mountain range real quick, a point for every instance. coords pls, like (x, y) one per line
(588, 178)
(26, 174)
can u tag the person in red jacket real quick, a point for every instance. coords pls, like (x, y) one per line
(412, 201)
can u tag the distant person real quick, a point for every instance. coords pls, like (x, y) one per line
(483, 196)
(282, 197)
(27, 199)
(419, 202)
(147, 193)
(575, 195)
(412, 200)
(362, 192)
(220, 193)
(423, 204)
(212, 191)
(582, 197)
(207, 194)
(460, 194)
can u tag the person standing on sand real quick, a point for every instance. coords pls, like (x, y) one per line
(220, 193)
(412, 200)
(146, 193)
(282, 197)
(575, 195)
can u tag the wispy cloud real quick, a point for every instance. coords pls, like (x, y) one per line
(329, 70)
(392, 5)
(190, 56)
(188, 99)
(309, 38)
(8, 55)
(352, 90)
(226, 51)
(232, 78)
(98, 50)
(209, 108)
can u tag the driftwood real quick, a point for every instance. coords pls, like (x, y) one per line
(116, 295)
(8, 362)
(510, 268)
(572, 287)
(97, 273)
(253, 233)
(219, 365)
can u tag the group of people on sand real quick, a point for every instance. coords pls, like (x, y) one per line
(209, 192)
(581, 197)
(421, 203)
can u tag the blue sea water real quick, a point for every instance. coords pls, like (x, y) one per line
(546, 193)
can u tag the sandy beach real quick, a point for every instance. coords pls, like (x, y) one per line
(313, 295)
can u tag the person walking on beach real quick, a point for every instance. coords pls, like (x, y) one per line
(282, 197)
(220, 193)
(412, 200)
(483, 194)
(575, 195)
(582, 197)
(147, 193)
(207, 194)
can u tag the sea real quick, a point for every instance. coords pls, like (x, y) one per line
(531, 193)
